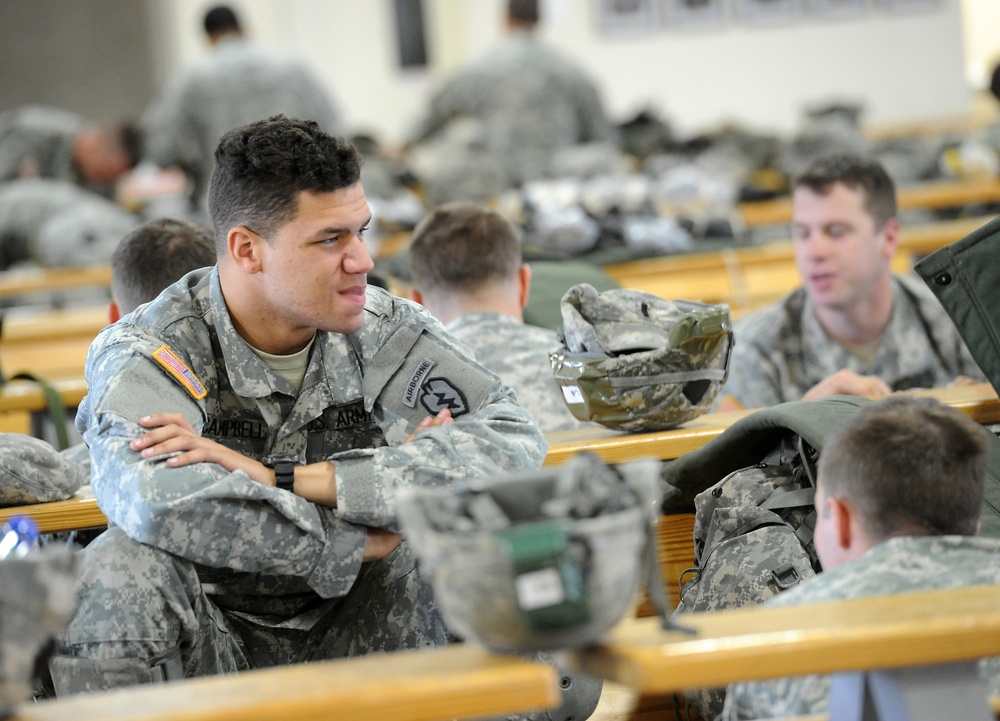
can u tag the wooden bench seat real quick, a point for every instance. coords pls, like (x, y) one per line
(888, 632)
(20, 399)
(978, 401)
(927, 196)
(453, 682)
(49, 342)
(750, 278)
(15, 283)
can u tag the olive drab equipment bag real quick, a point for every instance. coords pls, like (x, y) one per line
(753, 528)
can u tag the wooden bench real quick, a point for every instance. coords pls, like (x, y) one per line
(452, 682)
(928, 629)
(928, 196)
(15, 283)
(50, 342)
(979, 402)
(750, 278)
(20, 399)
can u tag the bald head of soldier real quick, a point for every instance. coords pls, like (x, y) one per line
(464, 258)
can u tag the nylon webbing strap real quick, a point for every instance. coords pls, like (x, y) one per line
(54, 406)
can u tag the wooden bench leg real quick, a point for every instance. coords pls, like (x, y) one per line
(918, 693)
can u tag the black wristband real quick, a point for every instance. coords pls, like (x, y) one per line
(284, 470)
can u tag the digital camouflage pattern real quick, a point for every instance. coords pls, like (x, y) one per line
(900, 565)
(536, 561)
(782, 351)
(237, 83)
(32, 471)
(37, 142)
(36, 599)
(752, 541)
(519, 354)
(207, 571)
(55, 223)
(528, 103)
(78, 454)
(636, 362)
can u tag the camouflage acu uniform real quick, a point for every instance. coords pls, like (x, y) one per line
(36, 598)
(519, 354)
(239, 82)
(206, 571)
(32, 471)
(531, 103)
(782, 351)
(37, 142)
(900, 565)
(56, 224)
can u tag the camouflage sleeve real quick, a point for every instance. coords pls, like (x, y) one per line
(169, 138)
(13, 149)
(318, 104)
(200, 512)
(594, 125)
(492, 434)
(781, 698)
(456, 97)
(754, 378)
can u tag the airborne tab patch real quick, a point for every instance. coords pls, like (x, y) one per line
(412, 389)
(179, 370)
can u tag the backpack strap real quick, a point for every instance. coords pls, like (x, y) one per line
(54, 407)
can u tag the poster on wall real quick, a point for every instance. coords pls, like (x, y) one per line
(767, 12)
(838, 8)
(905, 6)
(693, 14)
(614, 16)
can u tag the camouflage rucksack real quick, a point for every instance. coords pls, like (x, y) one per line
(753, 528)
(753, 532)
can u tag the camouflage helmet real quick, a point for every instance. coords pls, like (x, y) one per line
(32, 471)
(537, 561)
(636, 362)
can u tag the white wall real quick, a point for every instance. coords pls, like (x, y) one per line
(903, 67)
(981, 25)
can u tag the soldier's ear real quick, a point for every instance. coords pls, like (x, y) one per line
(244, 248)
(843, 521)
(524, 282)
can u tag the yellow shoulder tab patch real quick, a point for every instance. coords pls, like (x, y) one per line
(179, 370)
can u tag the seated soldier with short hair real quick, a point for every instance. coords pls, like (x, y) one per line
(899, 495)
(467, 270)
(854, 327)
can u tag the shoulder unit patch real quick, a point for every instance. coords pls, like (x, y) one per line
(179, 370)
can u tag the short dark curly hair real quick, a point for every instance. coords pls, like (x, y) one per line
(261, 168)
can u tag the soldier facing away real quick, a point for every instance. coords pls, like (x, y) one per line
(899, 494)
(467, 270)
